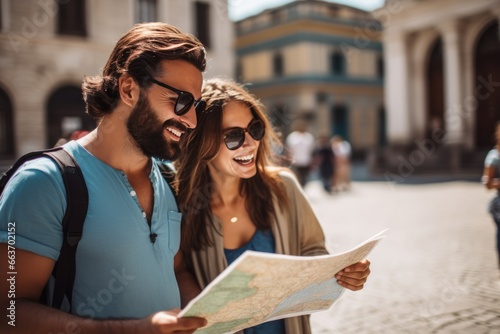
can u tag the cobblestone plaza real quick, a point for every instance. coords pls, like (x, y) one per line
(435, 272)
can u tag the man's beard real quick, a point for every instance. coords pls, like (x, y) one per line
(147, 131)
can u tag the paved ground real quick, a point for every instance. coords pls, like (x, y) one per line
(436, 272)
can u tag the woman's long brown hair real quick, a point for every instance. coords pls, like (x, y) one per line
(193, 182)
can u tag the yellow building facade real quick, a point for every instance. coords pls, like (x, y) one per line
(317, 61)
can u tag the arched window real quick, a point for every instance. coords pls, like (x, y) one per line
(6, 126)
(337, 63)
(72, 18)
(202, 20)
(66, 113)
(278, 64)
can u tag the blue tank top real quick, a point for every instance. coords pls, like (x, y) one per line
(262, 241)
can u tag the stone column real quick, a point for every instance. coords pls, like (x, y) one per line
(453, 97)
(396, 88)
(453, 81)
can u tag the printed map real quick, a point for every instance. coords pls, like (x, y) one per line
(260, 287)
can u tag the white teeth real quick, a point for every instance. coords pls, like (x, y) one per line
(245, 157)
(175, 132)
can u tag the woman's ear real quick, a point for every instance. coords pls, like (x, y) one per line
(129, 90)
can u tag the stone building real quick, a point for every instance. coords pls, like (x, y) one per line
(48, 46)
(315, 60)
(442, 80)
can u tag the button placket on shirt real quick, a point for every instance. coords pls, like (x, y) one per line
(154, 183)
(133, 194)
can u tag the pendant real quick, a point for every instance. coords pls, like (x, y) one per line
(234, 220)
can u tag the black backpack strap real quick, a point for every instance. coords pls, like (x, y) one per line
(21, 161)
(74, 217)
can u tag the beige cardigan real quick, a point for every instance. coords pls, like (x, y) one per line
(296, 232)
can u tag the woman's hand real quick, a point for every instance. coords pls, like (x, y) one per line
(354, 277)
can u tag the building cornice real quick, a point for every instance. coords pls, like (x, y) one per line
(318, 79)
(311, 37)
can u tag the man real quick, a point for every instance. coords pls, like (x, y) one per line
(125, 281)
(301, 146)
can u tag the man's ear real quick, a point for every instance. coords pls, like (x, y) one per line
(129, 90)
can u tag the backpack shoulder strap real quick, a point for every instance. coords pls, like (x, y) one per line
(74, 217)
(76, 194)
(6, 176)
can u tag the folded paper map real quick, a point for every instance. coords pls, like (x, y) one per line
(259, 287)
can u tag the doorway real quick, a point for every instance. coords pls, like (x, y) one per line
(486, 86)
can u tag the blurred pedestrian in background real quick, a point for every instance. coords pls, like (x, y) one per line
(491, 179)
(342, 150)
(324, 159)
(300, 144)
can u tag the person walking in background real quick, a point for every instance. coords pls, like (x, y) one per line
(491, 179)
(233, 197)
(342, 150)
(300, 144)
(325, 161)
(145, 101)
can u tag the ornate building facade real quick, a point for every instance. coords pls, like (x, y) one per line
(48, 46)
(314, 60)
(442, 81)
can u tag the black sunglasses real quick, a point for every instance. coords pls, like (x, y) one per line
(235, 137)
(184, 99)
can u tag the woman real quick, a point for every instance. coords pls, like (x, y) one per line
(342, 150)
(233, 199)
(491, 179)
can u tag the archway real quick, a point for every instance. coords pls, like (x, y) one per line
(6, 126)
(340, 121)
(487, 90)
(435, 88)
(65, 113)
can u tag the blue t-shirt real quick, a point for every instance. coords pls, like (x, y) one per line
(262, 241)
(120, 273)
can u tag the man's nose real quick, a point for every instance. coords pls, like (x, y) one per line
(189, 119)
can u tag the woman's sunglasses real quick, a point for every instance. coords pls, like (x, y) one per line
(235, 137)
(184, 99)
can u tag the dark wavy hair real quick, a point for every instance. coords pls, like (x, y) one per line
(200, 147)
(139, 53)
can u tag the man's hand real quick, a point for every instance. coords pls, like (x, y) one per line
(168, 322)
(354, 276)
